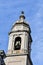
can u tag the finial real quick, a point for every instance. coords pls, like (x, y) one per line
(22, 12)
(22, 15)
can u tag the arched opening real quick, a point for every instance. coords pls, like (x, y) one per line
(17, 43)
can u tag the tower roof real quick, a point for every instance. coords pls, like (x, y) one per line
(21, 24)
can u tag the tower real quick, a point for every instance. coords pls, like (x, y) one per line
(19, 46)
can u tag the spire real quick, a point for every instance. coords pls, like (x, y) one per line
(22, 15)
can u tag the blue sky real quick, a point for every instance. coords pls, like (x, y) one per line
(9, 13)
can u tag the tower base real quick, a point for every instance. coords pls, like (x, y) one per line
(17, 60)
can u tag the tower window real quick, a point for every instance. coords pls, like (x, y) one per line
(17, 43)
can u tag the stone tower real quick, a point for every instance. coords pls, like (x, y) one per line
(19, 46)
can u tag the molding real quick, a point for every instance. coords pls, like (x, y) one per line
(10, 55)
(18, 31)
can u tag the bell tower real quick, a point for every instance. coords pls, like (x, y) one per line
(19, 47)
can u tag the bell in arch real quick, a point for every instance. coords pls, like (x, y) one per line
(17, 43)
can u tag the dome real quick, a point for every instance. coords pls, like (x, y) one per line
(21, 24)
